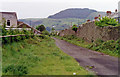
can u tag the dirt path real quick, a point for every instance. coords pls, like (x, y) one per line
(101, 64)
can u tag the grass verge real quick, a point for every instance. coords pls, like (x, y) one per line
(110, 47)
(38, 56)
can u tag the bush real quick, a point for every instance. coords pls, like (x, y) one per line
(74, 28)
(106, 21)
(41, 28)
(27, 34)
(45, 32)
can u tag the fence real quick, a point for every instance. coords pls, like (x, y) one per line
(12, 38)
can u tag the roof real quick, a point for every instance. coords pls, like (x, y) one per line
(96, 17)
(23, 25)
(12, 13)
(109, 12)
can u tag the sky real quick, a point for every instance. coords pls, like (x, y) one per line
(44, 8)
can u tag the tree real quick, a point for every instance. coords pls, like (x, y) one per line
(40, 28)
(74, 27)
(53, 29)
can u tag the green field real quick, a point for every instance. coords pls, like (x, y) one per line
(38, 56)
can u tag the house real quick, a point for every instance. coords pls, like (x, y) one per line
(88, 20)
(108, 13)
(96, 18)
(22, 25)
(11, 21)
(112, 15)
(8, 18)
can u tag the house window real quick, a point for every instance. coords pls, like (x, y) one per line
(8, 22)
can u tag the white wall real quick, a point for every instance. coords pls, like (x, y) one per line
(12, 18)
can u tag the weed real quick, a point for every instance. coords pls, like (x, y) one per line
(16, 69)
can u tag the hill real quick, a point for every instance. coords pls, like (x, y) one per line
(58, 24)
(73, 13)
(64, 19)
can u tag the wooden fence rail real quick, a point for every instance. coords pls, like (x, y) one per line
(12, 35)
(13, 38)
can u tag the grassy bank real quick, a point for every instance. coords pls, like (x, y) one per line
(38, 56)
(110, 47)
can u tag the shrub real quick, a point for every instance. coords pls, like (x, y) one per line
(106, 21)
(45, 32)
(40, 28)
(74, 28)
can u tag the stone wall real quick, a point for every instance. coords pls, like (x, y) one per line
(90, 32)
(67, 32)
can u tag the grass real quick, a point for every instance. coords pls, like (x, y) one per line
(38, 56)
(110, 47)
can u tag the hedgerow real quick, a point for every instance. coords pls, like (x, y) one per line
(20, 35)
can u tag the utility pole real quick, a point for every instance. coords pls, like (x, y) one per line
(30, 22)
(78, 22)
(71, 23)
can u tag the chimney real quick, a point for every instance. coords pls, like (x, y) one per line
(116, 11)
(109, 13)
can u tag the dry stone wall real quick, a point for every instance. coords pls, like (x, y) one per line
(90, 32)
(67, 32)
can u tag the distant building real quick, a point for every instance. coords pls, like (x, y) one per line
(11, 21)
(108, 13)
(112, 15)
(88, 20)
(96, 18)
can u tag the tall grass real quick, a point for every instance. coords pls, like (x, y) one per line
(38, 56)
(109, 47)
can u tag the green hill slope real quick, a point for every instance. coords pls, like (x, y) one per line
(73, 13)
(64, 19)
(58, 24)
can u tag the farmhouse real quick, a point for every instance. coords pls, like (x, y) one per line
(11, 21)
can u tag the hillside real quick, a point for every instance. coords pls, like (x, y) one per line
(73, 13)
(94, 14)
(64, 19)
(59, 24)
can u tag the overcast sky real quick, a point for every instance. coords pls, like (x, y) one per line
(44, 8)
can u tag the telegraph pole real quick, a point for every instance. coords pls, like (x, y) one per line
(71, 23)
(78, 22)
(30, 22)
